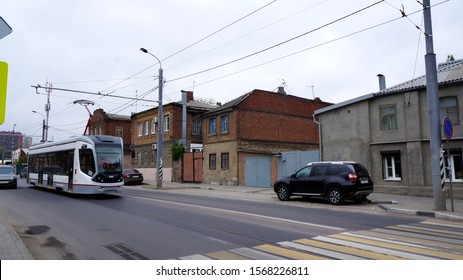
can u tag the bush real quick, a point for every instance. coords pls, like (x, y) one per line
(177, 151)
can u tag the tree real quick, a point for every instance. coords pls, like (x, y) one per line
(450, 58)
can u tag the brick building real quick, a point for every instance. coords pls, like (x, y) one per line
(9, 141)
(145, 128)
(103, 123)
(243, 138)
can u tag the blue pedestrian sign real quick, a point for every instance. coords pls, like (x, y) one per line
(447, 128)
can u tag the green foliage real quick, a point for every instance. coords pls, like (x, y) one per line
(177, 151)
(450, 58)
(22, 158)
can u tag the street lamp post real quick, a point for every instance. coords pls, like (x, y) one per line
(43, 126)
(159, 143)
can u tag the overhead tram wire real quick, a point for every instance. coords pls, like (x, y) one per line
(315, 46)
(249, 33)
(96, 93)
(277, 45)
(221, 29)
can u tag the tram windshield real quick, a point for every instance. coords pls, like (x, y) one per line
(109, 159)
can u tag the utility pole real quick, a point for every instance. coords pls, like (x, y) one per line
(48, 88)
(12, 143)
(159, 142)
(433, 109)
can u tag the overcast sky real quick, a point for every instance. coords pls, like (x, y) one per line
(217, 48)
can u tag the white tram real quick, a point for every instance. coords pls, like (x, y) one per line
(86, 165)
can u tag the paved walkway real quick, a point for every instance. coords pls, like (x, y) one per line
(12, 247)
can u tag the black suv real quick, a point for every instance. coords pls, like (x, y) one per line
(334, 180)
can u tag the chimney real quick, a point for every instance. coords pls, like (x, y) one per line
(189, 96)
(281, 90)
(382, 82)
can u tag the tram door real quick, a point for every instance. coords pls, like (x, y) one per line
(70, 169)
(41, 167)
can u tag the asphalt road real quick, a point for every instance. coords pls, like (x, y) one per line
(150, 224)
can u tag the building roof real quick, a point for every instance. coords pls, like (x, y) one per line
(229, 105)
(447, 73)
(118, 117)
(194, 104)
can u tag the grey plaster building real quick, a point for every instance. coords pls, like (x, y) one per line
(388, 132)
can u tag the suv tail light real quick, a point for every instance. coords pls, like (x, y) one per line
(352, 177)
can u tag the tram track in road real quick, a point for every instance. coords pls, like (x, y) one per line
(220, 232)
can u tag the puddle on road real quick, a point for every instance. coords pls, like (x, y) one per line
(36, 230)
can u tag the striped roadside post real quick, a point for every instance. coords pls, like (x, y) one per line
(442, 169)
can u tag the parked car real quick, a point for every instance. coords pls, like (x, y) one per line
(7, 176)
(132, 176)
(335, 181)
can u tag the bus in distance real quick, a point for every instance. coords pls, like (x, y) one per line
(89, 164)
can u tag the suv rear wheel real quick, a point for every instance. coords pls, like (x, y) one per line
(335, 196)
(282, 192)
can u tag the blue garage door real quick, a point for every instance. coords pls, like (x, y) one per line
(257, 172)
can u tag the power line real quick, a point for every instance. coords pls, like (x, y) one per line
(221, 29)
(276, 45)
(247, 34)
(143, 70)
(95, 93)
(315, 46)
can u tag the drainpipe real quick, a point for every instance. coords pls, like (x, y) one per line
(183, 141)
(320, 149)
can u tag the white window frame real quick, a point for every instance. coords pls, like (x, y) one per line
(140, 129)
(446, 162)
(166, 122)
(389, 165)
(153, 126)
(147, 128)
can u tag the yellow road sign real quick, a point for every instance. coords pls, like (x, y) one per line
(3, 79)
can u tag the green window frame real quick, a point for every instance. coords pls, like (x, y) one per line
(388, 117)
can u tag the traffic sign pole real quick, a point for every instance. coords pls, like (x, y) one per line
(447, 129)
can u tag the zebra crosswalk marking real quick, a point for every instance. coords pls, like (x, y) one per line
(288, 253)
(348, 250)
(416, 234)
(414, 240)
(452, 233)
(225, 255)
(320, 251)
(195, 257)
(446, 223)
(401, 247)
(386, 251)
(426, 232)
(255, 254)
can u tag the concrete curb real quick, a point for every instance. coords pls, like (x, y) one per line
(432, 214)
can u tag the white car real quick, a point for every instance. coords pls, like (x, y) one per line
(7, 176)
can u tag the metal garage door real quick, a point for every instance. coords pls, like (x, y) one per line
(257, 172)
(290, 162)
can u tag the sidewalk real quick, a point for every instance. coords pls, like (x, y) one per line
(401, 204)
(12, 247)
